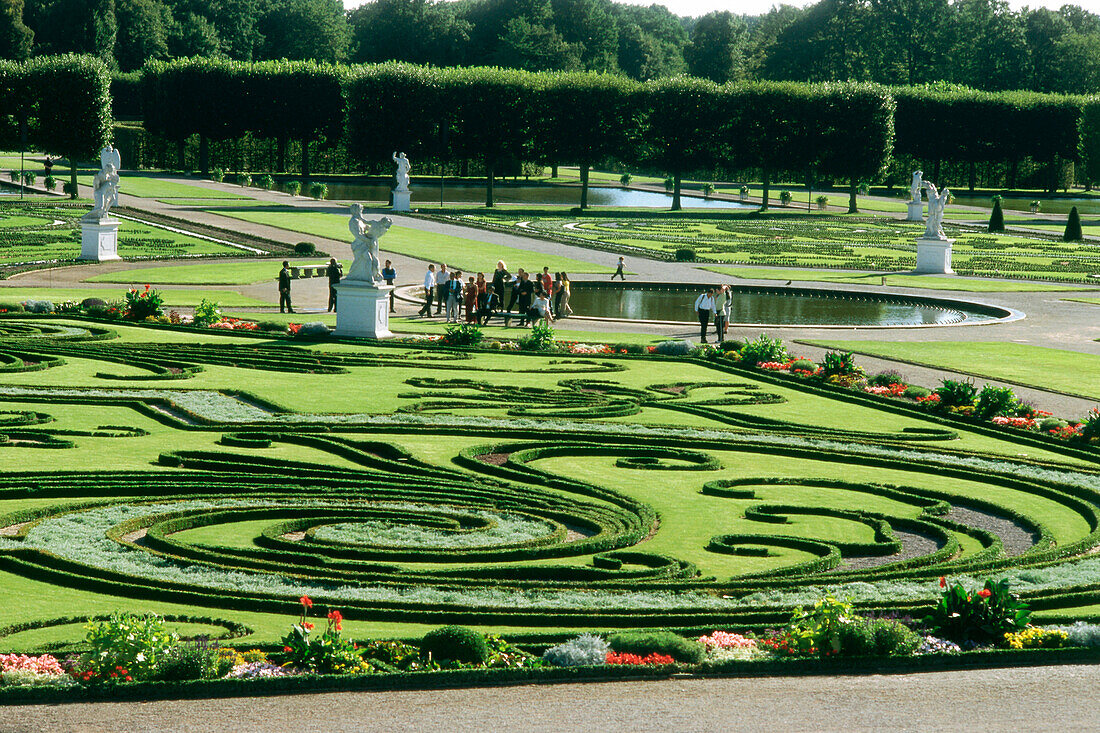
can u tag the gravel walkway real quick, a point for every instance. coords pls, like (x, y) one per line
(1024, 699)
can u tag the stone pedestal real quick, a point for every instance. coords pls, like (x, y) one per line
(363, 311)
(916, 211)
(99, 239)
(934, 257)
(401, 200)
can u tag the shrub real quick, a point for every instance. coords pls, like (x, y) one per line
(708, 190)
(625, 179)
(314, 328)
(141, 304)
(325, 653)
(463, 334)
(126, 645)
(1052, 423)
(271, 326)
(1073, 227)
(244, 179)
(763, 349)
(674, 348)
(785, 197)
(684, 254)
(266, 182)
(916, 392)
(1090, 426)
(997, 218)
(217, 175)
(92, 303)
(14, 176)
(840, 363)
(880, 636)
(455, 643)
(305, 248)
(293, 187)
(628, 348)
(670, 183)
(994, 401)
(38, 306)
(198, 661)
(68, 188)
(1081, 633)
(583, 650)
(318, 191)
(805, 365)
(541, 338)
(11, 307)
(817, 630)
(886, 378)
(644, 643)
(953, 393)
(981, 617)
(29, 178)
(207, 312)
(50, 183)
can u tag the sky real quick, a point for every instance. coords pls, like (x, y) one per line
(756, 7)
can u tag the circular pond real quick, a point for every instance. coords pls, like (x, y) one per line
(778, 306)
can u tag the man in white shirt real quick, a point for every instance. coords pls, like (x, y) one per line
(429, 291)
(704, 307)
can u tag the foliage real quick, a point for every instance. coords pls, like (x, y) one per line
(840, 363)
(1081, 633)
(327, 652)
(217, 175)
(994, 401)
(1034, 637)
(541, 338)
(305, 248)
(954, 393)
(1090, 427)
(293, 187)
(879, 636)
(1073, 227)
(194, 661)
(206, 312)
(318, 191)
(141, 304)
(981, 617)
(658, 642)
(463, 334)
(684, 254)
(785, 197)
(127, 645)
(50, 183)
(763, 349)
(674, 348)
(266, 182)
(244, 179)
(455, 643)
(817, 630)
(625, 179)
(583, 650)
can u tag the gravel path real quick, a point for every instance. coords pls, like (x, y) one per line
(1023, 699)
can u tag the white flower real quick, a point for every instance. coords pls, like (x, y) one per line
(141, 657)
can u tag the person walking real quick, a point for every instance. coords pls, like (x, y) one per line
(334, 271)
(566, 290)
(500, 278)
(454, 297)
(704, 307)
(520, 273)
(389, 275)
(429, 291)
(284, 289)
(721, 299)
(443, 281)
(526, 290)
(728, 310)
(619, 270)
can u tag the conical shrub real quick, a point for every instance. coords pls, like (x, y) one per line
(1073, 227)
(997, 218)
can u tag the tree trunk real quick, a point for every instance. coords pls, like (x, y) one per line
(853, 207)
(204, 156)
(464, 171)
(766, 183)
(1012, 168)
(305, 160)
(280, 154)
(180, 164)
(554, 172)
(489, 175)
(973, 175)
(936, 174)
(72, 177)
(584, 186)
(676, 191)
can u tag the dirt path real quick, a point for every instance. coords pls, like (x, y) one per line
(1024, 699)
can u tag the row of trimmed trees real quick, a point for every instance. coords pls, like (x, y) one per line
(60, 105)
(845, 131)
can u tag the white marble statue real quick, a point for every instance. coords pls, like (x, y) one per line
(366, 267)
(916, 186)
(402, 174)
(105, 183)
(937, 201)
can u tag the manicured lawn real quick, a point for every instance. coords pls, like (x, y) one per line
(150, 187)
(1069, 372)
(466, 254)
(172, 298)
(1091, 301)
(927, 282)
(244, 272)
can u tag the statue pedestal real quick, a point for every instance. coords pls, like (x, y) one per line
(934, 257)
(916, 211)
(362, 310)
(99, 239)
(401, 200)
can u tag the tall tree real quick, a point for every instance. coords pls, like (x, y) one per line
(989, 48)
(589, 25)
(16, 38)
(914, 40)
(680, 127)
(192, 34)
(305, 30)
(651, 41)
(717, 48)
(418, 31)
(142, 32)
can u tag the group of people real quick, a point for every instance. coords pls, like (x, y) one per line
(334, 271)
(530, 300)
(714, 304)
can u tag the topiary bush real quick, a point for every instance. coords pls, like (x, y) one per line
(584, 650)
(305, 248)
(1052, 423)
(266, 182)
(644, 643)
(806, 365)
(1073, 227)
(997, 218)
(455, 643)
(886, 378)
(92, 303)
(318, 191)
(684, 254)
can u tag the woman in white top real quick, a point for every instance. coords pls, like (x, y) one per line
(704, 306)
(542, 307)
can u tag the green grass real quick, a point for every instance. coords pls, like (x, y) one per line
(1091, 301)
(466, 254)
(172, 298)
(245, 272)
(1069, 372)
(150, 187)
(927, 282)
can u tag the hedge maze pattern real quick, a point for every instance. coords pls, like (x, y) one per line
(549, 506)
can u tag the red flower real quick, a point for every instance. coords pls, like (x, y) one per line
(985, 593)
(943, 582)
(304, 600)
(307, 626)
(287, 649)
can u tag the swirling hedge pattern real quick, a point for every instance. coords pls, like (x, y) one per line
(543, 506)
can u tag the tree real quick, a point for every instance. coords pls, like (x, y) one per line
(417, 31)
(534, 47)
(997, 218)
(651, 41)
(193, 35)
(589, 26)
(15, 37)
(681, 117)
(1073, 227)
(989, 47)
(142, 32)
(1044, 31)
(855, 130)
(717, 48)
(304, 30)
(914, 38)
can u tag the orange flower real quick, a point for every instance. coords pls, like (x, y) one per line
(304, 600)
(943, 582)
(985, 593)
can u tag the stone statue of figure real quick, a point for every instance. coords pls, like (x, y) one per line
(916, 186)
(366, 266)
(105, 183)
(402, 174)
(937, 201)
